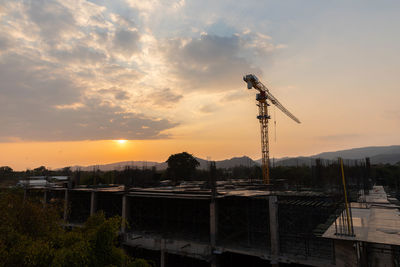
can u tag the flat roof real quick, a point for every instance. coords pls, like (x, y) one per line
(377, 195)
(116, 188)
(194, 189)
(376, 221)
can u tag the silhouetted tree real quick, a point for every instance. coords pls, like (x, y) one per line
(66, 171)
(181, 166)
(31, 235)
(40, 171)
(5, 170)
(6, 173)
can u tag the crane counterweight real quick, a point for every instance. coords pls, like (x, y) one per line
(262, 98)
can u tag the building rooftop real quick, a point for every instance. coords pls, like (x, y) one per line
(193, 189)
(375, 221)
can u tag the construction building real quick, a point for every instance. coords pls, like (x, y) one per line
(239, 224)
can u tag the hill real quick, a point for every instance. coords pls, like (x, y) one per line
(228, 163)
(377, 154)
(362, 152)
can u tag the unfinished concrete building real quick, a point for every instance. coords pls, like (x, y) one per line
(239, 225)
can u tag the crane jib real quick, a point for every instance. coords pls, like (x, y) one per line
(263, 117)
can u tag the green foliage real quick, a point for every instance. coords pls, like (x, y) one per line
(7, 175)
(66, 171)
(5, 170)
(41, 171)
(181, 166)
(32, 235)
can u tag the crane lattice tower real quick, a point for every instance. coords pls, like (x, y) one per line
(263, 97)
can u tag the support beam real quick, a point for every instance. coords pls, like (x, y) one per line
(163, 259)
(274, 229)
(93, 203)
(213, 231)
(66, 204)
(125, 213)
(213, 224)
(45, 198)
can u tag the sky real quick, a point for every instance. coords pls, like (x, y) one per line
(167, 76)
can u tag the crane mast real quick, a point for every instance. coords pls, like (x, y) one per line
(262, 98)
(263, 117)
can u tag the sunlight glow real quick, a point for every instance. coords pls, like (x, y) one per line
(121, 141)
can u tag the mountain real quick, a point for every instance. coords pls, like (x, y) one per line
(386, 158)
(118, 166)
(298, 161)
(362, 152)
(237, 161)
(228, 163)
(377, 155)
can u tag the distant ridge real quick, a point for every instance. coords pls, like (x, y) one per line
(377, 154)
(228, 163)
(362, 152)
(117, 166)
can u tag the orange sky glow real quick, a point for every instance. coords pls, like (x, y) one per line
(166, 76)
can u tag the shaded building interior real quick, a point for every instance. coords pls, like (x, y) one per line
(237, 223)
(188, 224)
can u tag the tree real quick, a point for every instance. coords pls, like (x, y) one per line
(6, 173)
(66, 171)
(40, 171)
(32, 235)
(5, 170)
(181, 166)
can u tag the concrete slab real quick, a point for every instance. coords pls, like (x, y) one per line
(377, 222)
(377, 195)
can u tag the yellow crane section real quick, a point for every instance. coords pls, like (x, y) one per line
(263, 97)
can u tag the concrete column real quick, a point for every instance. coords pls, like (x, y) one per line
(213, 223)
(345, 254)
(163, 260)
(93, 203)
(125, 213)
(45, 198)
(213, 231)
(66, 204)
(274, 229)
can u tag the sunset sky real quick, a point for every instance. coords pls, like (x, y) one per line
(167, 76)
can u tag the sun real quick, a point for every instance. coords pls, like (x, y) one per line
(121, 141)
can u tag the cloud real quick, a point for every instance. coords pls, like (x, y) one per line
(5, 42)
(237, 95)
(165, 97)
(126, 42)
(118, 94)
(34, 81)
(152, 5)
(40, 104)
(208, 108)
(95, 120)
(51, 17)
(215, 63)
(339, 137)
(80, 54)
(83, 71)
(52, 82)
(392, 114)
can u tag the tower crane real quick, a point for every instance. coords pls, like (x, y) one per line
(263, 97)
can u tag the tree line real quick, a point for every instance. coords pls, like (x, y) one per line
(32, 234)
(324, 175)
